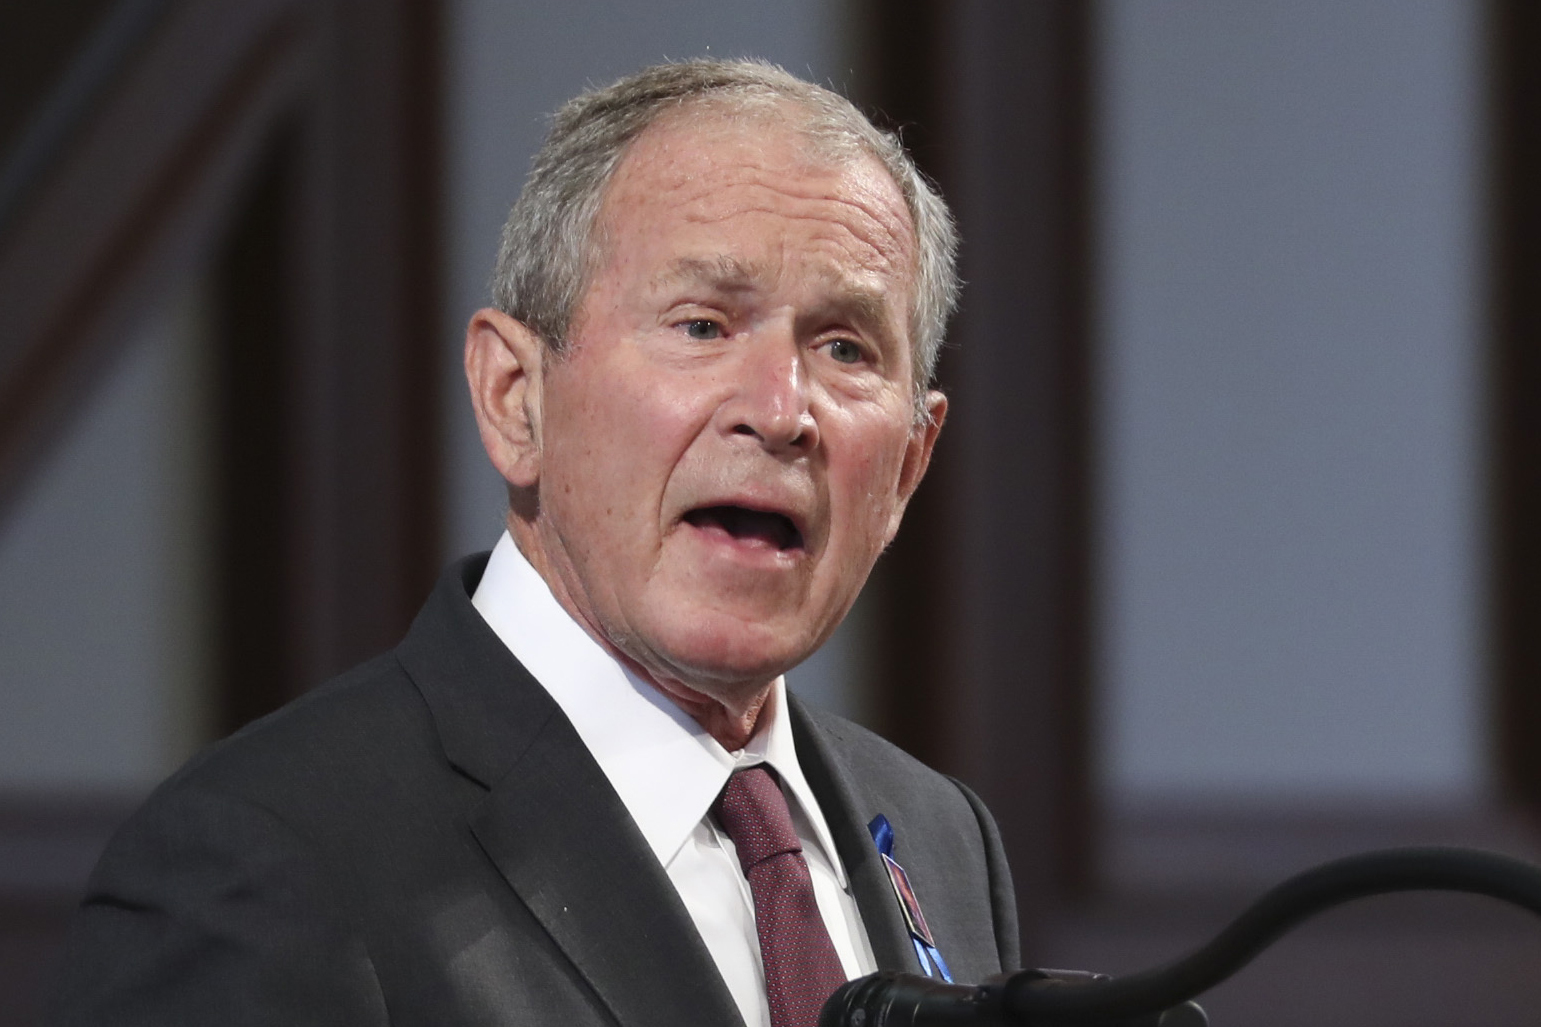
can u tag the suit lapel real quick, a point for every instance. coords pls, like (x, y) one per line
(554, 827)
(847, 809)
(562, 838)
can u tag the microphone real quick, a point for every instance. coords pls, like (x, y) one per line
(889, 998)
(1162, 997)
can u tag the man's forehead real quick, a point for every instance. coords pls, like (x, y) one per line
(780, 136)
(677, 169)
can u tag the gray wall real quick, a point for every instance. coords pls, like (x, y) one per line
(1290, 209)
(103, 649)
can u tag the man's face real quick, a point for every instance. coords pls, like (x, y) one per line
(729, 441)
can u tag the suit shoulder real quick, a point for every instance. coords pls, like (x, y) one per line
(867, 754)
(353, 733)
(236, 885)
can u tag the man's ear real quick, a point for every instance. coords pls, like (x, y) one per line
(917, 455)
(503, 361)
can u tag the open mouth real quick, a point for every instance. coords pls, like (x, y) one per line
(744, 525)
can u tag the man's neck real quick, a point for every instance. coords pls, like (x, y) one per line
(731, 725)
(731, 729)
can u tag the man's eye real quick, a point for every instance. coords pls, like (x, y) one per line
(845, 351)
(703, 328)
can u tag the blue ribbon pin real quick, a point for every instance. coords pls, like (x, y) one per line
(914, 919)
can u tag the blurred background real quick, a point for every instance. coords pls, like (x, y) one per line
(1227, 563)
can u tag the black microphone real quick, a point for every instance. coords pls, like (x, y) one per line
(1161, 997)
(889, 998)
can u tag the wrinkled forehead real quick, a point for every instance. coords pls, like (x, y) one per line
(703, 147)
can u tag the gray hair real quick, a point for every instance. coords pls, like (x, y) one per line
(545, 257)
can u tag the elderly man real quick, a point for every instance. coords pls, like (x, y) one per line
(578, 792)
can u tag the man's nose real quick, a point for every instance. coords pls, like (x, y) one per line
(771, 402)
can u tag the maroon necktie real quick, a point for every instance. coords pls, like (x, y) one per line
(801, 967)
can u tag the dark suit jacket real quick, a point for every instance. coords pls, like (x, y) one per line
(425, 840)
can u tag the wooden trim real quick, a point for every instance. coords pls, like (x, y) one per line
(368, 550)
(328, 290)
(1515, 376)
(1020, 102)
(986, 592)
(257, 321)
(897, 83)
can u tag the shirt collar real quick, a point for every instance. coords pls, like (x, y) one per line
(664, 766)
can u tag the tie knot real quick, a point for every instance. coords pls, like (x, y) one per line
(754, 812)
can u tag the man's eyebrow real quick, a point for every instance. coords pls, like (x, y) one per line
(863, 306)
(722, 272)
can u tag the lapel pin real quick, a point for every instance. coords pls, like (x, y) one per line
(914, 919)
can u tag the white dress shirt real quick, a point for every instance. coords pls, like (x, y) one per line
(668, 771)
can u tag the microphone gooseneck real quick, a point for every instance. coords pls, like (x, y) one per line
(1050, 999)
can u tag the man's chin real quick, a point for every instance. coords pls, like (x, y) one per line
(730, 661)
